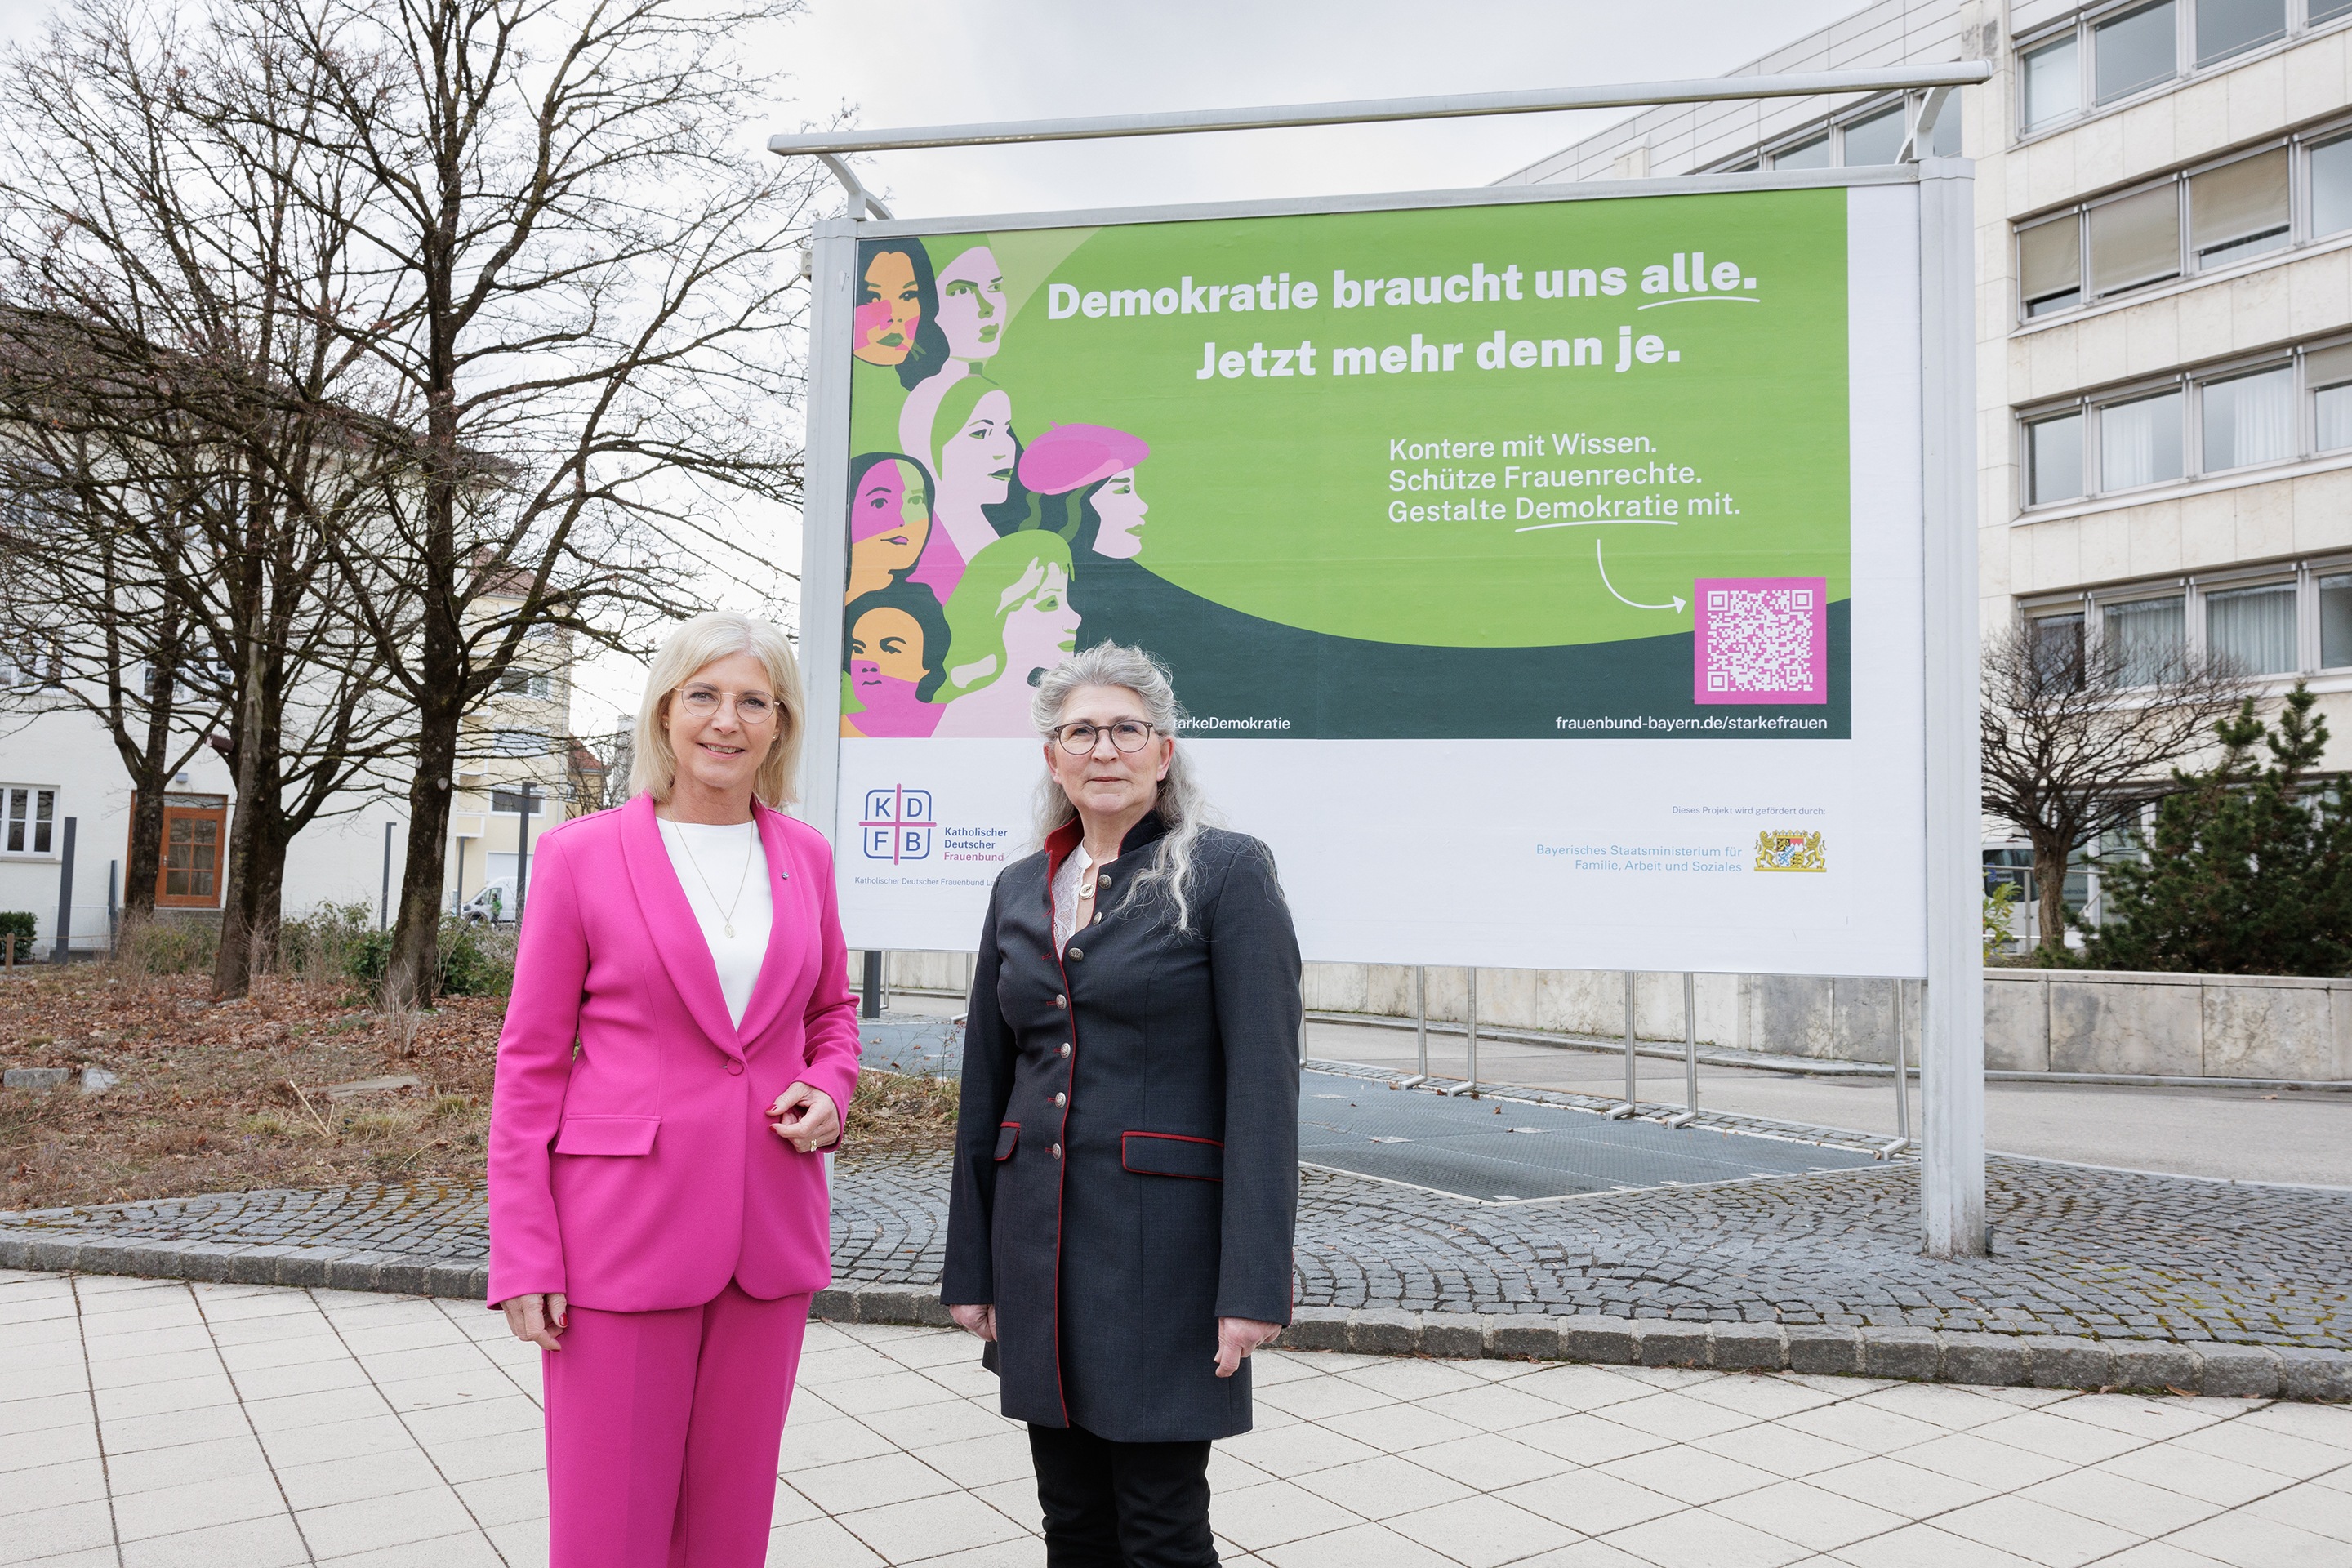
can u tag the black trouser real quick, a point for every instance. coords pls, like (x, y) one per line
(1122, 1504)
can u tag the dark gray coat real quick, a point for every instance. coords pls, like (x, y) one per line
(1127, 1162)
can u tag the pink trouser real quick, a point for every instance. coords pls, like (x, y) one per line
(662, 1431)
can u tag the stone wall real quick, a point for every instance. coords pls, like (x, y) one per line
(2036, 1020)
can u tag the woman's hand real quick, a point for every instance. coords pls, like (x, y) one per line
(535, 1318)
(1236, 1337)
(981, 1320)
(805, 1117)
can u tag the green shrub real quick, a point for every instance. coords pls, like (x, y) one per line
(474, 963)
(17, 926)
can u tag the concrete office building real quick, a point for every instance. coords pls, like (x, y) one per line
(2164, 306)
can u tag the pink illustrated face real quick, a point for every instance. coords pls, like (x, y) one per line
(976, 464)
(971, 304)
(889, 309)
(1120, 534)
(889, 521)
(1041, 630)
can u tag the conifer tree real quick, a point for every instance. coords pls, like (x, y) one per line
(2249, 871)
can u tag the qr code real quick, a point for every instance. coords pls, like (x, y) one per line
(1760, 640)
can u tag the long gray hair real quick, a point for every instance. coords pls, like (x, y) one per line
(1183, 810)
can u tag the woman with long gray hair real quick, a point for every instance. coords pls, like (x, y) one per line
(1127, 1159)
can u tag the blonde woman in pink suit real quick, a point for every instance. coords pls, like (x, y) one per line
(658, 1211)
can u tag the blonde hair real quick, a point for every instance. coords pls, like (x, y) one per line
(715, 635)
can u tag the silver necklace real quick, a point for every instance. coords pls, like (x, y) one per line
(727, 920)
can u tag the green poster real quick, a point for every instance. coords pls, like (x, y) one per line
(1576, 469)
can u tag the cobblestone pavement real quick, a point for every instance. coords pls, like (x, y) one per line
(212, 1425)
(2077, 1251)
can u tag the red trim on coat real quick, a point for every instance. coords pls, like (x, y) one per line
(1058, 845)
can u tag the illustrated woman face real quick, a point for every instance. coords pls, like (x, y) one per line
(888, 520)
(889, 309)
(887, 644)
(1042, 628)
(971, 304)
(976, 464)
(1122, 510)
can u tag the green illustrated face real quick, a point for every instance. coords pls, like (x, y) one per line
(1523, 426)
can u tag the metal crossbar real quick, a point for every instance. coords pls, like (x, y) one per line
(1370, 110)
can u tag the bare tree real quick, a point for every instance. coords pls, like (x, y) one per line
(94, 565)
(584, 284)
(194, 269)
(2079, 732)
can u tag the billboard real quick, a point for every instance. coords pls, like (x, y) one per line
(1542, 577)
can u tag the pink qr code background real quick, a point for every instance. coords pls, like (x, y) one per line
(1760, 640)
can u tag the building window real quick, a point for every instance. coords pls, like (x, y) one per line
(2107, 58)
(2053, 84)
(2245, 416)
(2249, 419)
(1875, 140)
(537, 684)
(2335, 594)
(2239, 210)
(28, 820)
(2146, 638)
(2133, 51)
(2050, 265)
(31, 661)
(2136, 240)
(2058, 651)
(2329, 374)
(1813, 153)
(2226, 27)
(2253, 628)
(2139, 442)
(2331, 184)
(2055, 459)
(520, 743)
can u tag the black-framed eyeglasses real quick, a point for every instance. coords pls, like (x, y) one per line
(750, 707)
(1127, 735)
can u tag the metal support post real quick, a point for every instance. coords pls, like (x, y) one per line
(65, 892)
(872, 1005)
(1951, 1012)
(1632, 984)
(383, 902)
(1690, 1046)
(1902, 1073)
(1474, 1027)
(1421, 1023)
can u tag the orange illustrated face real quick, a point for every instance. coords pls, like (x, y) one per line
(889, 309)
(891, 641)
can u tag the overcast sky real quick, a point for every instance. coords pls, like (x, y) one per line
(929, 62)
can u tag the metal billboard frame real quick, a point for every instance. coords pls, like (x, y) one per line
(1951, 1069)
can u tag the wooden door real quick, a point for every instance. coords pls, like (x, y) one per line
(195, 840)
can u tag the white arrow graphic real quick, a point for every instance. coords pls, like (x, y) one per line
(1676, 607)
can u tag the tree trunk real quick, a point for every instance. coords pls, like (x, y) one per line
(412, 973)
(2051, 851)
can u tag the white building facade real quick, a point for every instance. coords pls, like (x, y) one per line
(2164, 307)
(58, 765)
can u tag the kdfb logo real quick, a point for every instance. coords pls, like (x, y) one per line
(898, 825)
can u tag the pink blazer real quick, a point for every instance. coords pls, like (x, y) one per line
(636, 1172)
